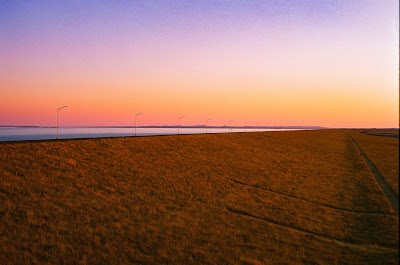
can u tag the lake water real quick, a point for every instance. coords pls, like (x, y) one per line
(45, 133)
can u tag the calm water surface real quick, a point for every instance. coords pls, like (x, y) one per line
(44, 133)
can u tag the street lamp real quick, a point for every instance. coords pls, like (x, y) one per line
(245, 125)
(137, 114)
(230, 125)
(207, 123)
(179, 122)
(57, 118)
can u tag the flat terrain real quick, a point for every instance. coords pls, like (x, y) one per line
(238, 198)
(382, 132)
(383, 151)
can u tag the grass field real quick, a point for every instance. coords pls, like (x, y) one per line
(383, 150)
(238, 198)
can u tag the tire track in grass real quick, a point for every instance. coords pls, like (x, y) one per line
(309, 201)
(387, 190)
(305, 231)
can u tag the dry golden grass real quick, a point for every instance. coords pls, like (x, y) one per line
(383, 152)
(254, 198)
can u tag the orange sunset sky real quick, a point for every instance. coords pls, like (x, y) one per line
(326, 63)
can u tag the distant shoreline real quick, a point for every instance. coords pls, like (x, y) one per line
(203, 126)
(175, 126)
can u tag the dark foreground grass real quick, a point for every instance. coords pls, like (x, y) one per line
(254, 198)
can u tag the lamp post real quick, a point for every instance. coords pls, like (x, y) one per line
(137, 114)
(230, 125)
(57, 118)
(179, 123)
(207, 123)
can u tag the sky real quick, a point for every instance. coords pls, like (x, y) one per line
(330, 63)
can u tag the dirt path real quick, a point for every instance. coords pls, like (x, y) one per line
(389, 192)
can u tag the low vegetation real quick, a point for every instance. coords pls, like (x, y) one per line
(251, 198)
(382, 148)
(382, 132)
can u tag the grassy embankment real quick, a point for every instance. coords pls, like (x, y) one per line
(383, 151)
(284, 197)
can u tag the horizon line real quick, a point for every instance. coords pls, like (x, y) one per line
(194, 126)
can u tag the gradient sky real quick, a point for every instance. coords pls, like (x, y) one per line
(311, 62)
